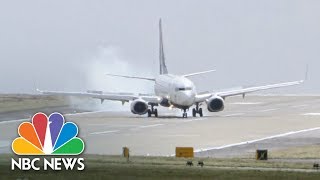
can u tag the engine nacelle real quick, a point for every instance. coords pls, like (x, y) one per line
(215, 104)
(139, 106)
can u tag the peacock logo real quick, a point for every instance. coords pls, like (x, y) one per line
(48, 136)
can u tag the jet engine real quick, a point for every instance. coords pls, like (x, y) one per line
(215, 104)
(139, 106)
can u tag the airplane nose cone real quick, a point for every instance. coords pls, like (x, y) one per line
(185, 98)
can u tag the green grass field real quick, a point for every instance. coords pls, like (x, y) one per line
(19, 102)
(116, 167)
(305, 152)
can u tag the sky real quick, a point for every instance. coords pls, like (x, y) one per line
(70, 45)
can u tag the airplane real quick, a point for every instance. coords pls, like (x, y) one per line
(172, 91)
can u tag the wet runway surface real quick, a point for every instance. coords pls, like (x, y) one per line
(256, 119)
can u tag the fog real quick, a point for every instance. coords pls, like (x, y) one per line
(70, 45)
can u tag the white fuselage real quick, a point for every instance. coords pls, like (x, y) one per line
(179, 90)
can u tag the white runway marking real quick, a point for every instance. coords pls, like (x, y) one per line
(197, 119)
(169, 114)
(4, 144)
(104, 132)
(29, 119)
(257, 140)
(267, 110)
(235, 114)
(113, 125)
(180, 135)
(311, 114)
(153, 125)
(83, 113)
(297, 106)
(246, 103)
(13, 121)
(147, 126)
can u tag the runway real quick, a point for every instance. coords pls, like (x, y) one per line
(255, 119)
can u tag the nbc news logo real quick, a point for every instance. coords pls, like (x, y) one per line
(48, 136)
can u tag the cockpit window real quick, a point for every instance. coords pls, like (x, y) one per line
(183, 89)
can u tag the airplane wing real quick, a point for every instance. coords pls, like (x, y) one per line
(105, 96)
(224, 94)
(132, 77)
(153, 79)
(257, 88)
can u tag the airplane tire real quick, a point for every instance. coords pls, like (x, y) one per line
(149, 113)
(156, 112)
(200, 112)
(194, 113)
(184, 115)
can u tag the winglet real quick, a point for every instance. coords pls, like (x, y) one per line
(36, 87)
(306, 73)
(38, 90)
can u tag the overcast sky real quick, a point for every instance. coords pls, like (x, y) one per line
(69, 45)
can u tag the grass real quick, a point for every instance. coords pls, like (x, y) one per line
(157, 172)
(303, 152)
(116, 167)
(209, 162)
(19, 102)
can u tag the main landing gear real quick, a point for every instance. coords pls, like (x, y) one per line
(197, 110)
(152, 111)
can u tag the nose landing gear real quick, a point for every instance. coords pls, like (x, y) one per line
(185, 114)
(197, 110)
(152, 111)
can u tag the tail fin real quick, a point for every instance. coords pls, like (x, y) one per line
(163, 67)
